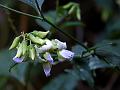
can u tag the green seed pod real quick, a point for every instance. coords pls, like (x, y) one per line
(40, 34)
(36, 40)
(71, 9)
(78, 13)
(32, 52)
(20, 50)
(15, 43)
(24, 46)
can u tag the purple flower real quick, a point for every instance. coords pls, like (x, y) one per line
(58, 44)
(48, 57)
(18, 60)
(66, 54)
(47, 69)
(45, 47)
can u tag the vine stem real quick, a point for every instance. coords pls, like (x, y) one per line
(26, 14)
(44, 19)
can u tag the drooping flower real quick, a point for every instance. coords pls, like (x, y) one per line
(18, 59)
(47, 68)
(48, 57)
(59, 45)
(45, 47)
(65, 54)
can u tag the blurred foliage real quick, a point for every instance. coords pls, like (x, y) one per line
(5, 64)
(104, 54)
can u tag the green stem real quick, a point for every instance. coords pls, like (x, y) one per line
(68, 35)
(26, 14)
(39, 10)
(12, 66)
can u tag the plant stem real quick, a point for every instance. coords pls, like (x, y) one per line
(68, 35)
(39, 10)
(26, 14)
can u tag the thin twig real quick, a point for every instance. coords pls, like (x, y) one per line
(39, 10)
(26, 14)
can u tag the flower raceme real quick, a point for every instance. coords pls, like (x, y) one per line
(36, 46)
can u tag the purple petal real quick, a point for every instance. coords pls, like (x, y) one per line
(66, 54)
(60, 45)
(47, 69)
(48, 57)
(17, 60)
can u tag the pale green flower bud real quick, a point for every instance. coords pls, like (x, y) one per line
(72, 9)
(25, 47)
(67, 6)
(32, 52)
(20, 50)
(78, 13)
(15, 43)
(40, 34)
(36, 40)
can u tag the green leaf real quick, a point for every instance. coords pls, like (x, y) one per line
(95, 63)
(6, 62)
(33, 3)
(86, 76)
(78, 50)
(62, 82)
(19, 71)
(83, 72)
(110, 51)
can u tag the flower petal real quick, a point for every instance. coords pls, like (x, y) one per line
(47, 69)
(48, 57)
(45, 47)
(66, 54)
(60, 45)
(18, 60)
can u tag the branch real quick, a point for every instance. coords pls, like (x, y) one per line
(26, 14)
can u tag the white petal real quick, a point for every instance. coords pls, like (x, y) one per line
(46, 47)
(60, 45)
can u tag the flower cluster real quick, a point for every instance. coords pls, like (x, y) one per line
(36, 46)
